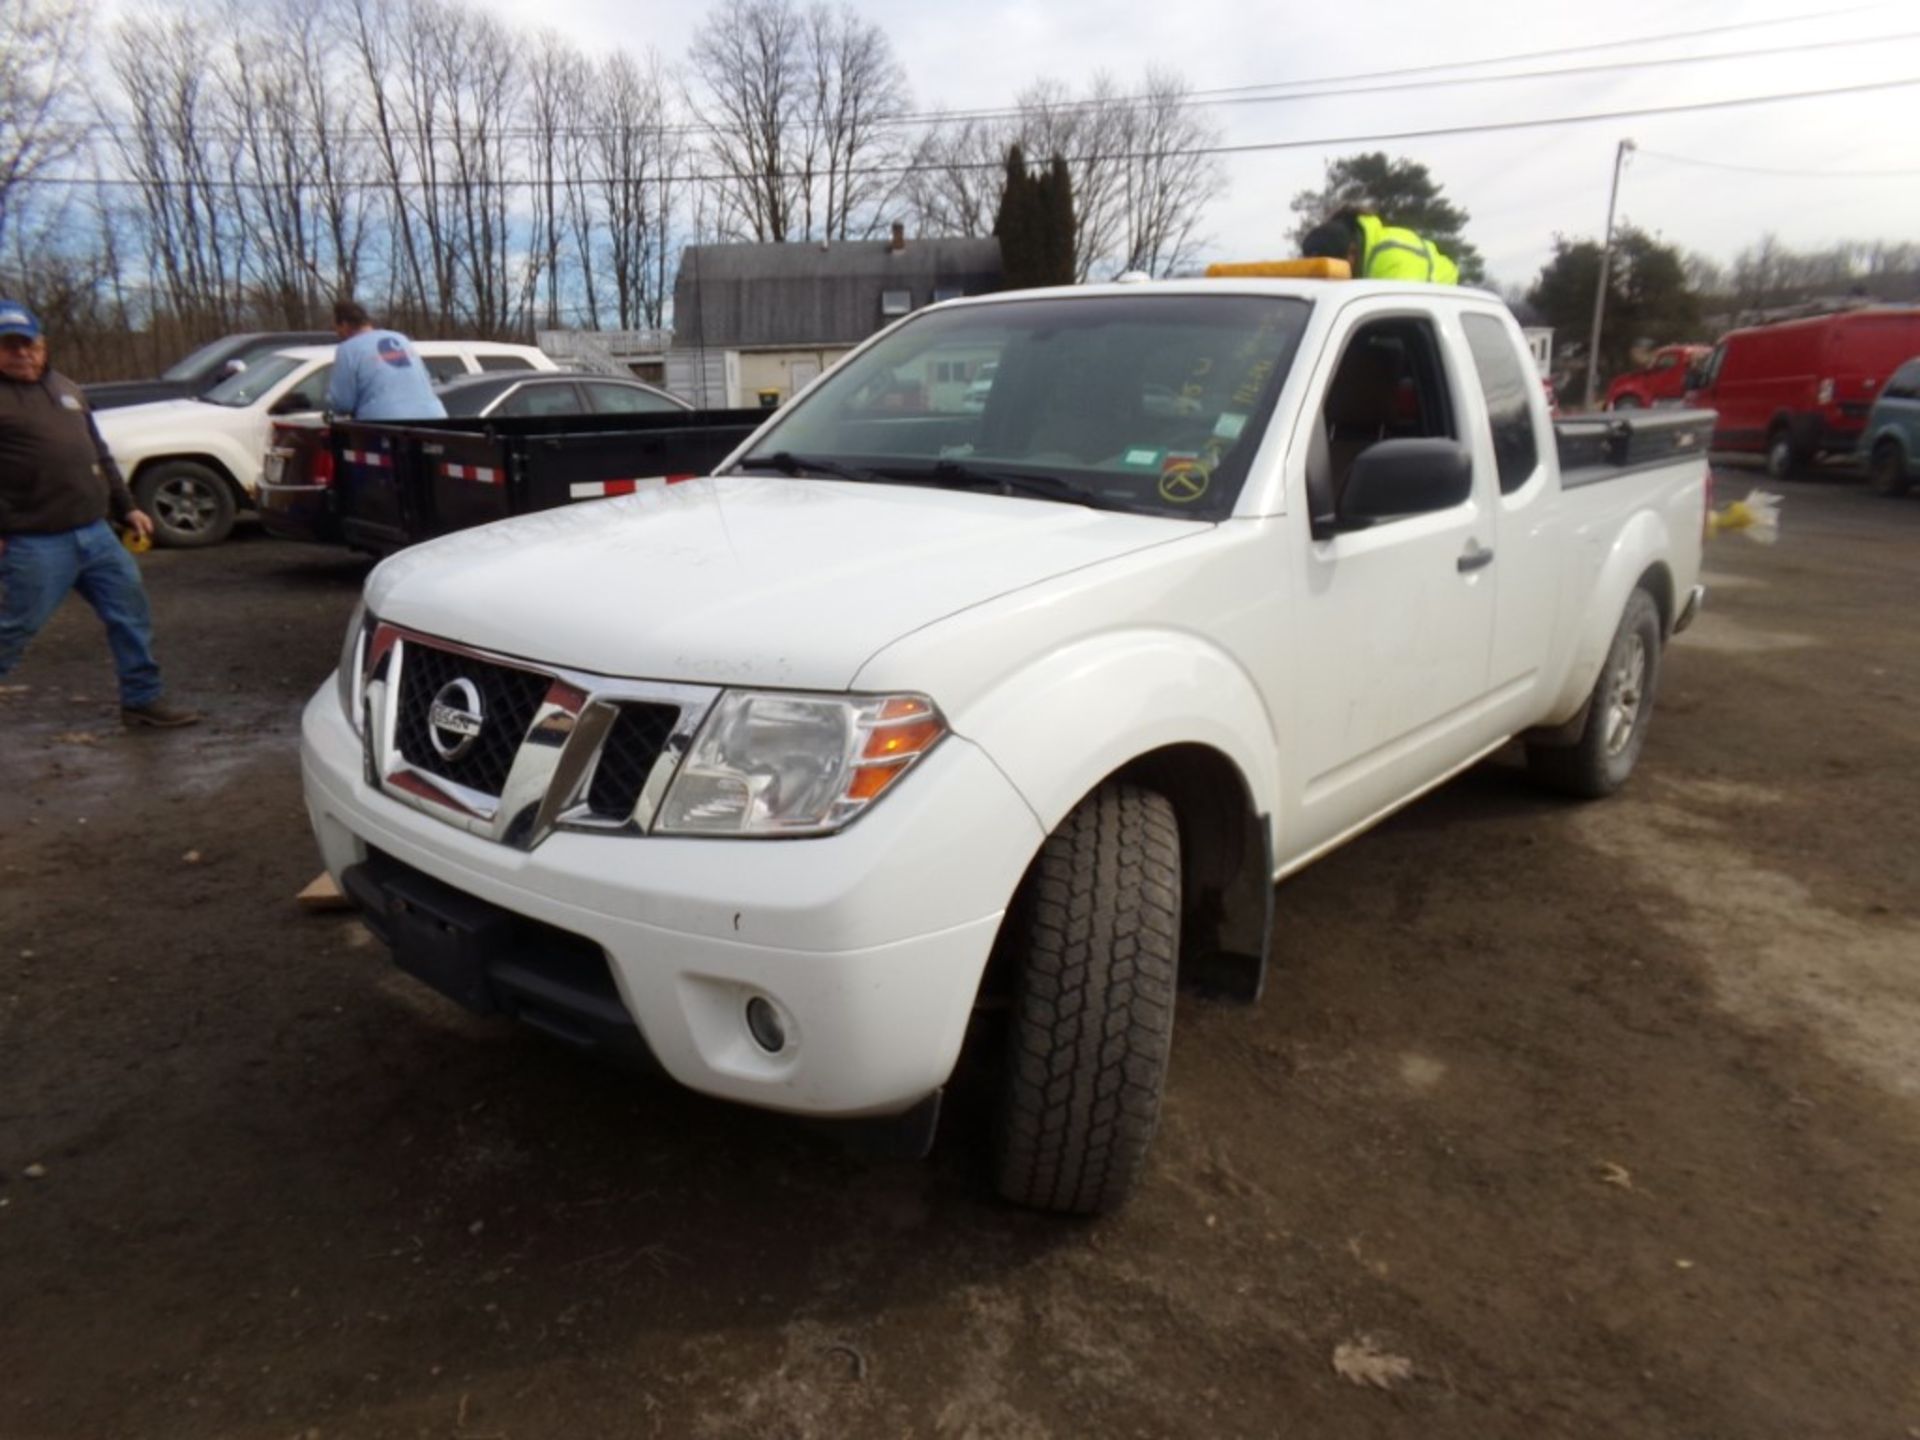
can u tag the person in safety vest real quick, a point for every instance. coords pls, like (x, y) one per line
(1379, 251)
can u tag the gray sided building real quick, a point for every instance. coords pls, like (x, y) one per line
(752, 324)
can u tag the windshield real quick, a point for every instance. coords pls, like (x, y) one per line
(252, 384)
(1151, 403)
(200, 361)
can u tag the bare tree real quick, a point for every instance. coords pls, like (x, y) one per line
(555, 75)
(1164, 184)
(856, 93)
(747, 63)
(639, 153)
(801, 109)
(954, 176)
(41, 122)
(1140, 187)
(176, 146)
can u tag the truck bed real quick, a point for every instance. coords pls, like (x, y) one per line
(1594, 448)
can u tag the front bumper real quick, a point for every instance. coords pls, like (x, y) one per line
(870, 944)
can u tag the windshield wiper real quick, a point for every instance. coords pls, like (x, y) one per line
(788, 463)
(962, 476)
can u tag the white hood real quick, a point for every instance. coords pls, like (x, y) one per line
(155, 415)
(742, 579)
(168, 427)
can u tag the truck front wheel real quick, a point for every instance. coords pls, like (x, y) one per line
(1599, 762)
(1096, 945)
(191, 505)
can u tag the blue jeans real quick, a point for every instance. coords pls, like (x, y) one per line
(37, 571)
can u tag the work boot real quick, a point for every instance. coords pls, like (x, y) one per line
(158, 714)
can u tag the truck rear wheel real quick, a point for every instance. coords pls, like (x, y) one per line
(1599, 762)
(1096, 943)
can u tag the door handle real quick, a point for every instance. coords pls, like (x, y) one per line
(1473, 558)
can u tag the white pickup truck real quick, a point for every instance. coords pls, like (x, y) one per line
(927, 710)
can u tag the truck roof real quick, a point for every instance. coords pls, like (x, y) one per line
(1301, 289)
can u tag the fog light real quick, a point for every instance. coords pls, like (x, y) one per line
(763, 1023)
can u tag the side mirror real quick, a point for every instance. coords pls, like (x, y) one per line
(1696, 376)
(1406, 477)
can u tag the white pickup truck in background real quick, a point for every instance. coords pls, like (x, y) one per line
(940, 709)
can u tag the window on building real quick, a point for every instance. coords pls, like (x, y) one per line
(946, 293)
(895, 302)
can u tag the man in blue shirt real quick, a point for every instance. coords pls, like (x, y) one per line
(377, 374)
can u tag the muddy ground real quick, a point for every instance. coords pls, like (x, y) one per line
(1604, 1120)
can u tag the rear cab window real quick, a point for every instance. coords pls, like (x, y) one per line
(1504, 383)
(505, 362)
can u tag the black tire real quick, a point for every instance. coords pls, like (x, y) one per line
(191, 505)
(1618, 712)
(1887, 470)
(1096, 943)
(1782, 458)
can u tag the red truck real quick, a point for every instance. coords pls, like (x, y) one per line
(1663, 380)
(1798, 389)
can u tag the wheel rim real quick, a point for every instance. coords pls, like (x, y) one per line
(186, 506)
(1626, 690)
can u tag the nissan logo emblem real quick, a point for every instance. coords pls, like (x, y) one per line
(454, 721)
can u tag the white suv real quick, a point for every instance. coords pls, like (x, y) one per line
(193, 463)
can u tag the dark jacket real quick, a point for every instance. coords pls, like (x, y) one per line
(55, 471)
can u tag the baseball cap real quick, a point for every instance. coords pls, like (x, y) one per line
(17, 319)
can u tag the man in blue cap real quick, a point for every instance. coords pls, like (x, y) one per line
(58, 487)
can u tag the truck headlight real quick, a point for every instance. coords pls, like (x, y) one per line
(353, 655)
(773, 763)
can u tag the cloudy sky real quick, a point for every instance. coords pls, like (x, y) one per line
(1811, 171)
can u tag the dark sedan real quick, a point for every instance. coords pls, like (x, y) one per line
(558, 392)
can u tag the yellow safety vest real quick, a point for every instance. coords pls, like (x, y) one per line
(1391, 253)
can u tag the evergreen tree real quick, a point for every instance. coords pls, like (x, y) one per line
(1056, 216)
(1013, 225)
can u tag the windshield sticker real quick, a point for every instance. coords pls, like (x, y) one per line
(1183, 480)
(1141, 459)
(1229, 426)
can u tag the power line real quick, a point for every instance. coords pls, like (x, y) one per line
(1172, 153)
(1548, 54)
(1790, 174)
(1238, 95)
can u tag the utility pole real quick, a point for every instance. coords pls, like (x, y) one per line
(1606, 263)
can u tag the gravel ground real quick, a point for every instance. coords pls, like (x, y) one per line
(1556, 1119)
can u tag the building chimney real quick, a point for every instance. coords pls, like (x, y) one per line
(899, 237)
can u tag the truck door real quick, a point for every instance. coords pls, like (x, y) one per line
(1396, 614)
(1511, 436)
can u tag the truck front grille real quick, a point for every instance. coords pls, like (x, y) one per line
(627, 758)
(509, 698)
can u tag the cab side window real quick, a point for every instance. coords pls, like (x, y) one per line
(444, 367)
(1509, 412)
(1390, 385)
